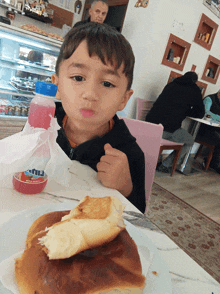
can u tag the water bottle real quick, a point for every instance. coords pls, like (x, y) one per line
(42, 108)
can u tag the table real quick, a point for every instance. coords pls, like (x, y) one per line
(186, 275)
(183, 168)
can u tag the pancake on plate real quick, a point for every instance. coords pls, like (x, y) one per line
(86, 250)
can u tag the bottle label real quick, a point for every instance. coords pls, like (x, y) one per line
(32, 176)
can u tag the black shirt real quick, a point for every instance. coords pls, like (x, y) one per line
(178, 100)
(91, 151)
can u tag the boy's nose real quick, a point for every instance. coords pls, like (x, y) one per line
(90, 94)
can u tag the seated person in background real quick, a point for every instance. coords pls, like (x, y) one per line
(179, 99)
(212, 106)
(211, 134)
(94, 82)
(35, 56)
(97, 12)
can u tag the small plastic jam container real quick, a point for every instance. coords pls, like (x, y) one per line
(207, 117)
(29, 182)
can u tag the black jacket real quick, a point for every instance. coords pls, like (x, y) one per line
(79, 23)
(91, 151)
(82, 22)
(178, 100)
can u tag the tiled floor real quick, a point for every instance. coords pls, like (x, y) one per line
(201, 190)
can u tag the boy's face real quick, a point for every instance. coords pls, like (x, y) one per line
(99, 12)
(91, 92)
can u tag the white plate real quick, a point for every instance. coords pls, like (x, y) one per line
(13, 235)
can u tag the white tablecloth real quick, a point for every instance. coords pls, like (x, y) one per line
(186, 275)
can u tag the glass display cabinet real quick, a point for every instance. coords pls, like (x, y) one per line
(25, 58)
(37, 9)
(17, 5)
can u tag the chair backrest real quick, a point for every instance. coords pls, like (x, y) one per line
(143, 107)
(148, 137)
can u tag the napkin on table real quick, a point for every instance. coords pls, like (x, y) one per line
(35, 148)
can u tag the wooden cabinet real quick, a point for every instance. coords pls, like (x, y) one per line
(202, 87)
(173, 76)
(176, 52)
(61, 16)
(212, 69)
(206, 32)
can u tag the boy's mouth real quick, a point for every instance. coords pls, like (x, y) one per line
(87, 112)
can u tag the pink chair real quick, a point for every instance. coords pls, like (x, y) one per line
(148, 137)
(143, 107)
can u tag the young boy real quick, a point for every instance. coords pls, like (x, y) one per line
(94, 73)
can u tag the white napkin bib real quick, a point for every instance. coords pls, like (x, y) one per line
(35, 148)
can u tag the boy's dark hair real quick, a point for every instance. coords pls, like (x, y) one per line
(104, 41)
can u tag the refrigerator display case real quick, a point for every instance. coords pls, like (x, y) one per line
(25, 58)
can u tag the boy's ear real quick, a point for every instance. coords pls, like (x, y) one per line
(55, 79)
(127, 96)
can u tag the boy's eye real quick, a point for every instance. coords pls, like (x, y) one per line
(108, 85)
(78, 78)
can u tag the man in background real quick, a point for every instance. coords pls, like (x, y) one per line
(97, 12)
(179, 99)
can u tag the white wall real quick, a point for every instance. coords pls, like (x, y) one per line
(78, 16)
(148, 30)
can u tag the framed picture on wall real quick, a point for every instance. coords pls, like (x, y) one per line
(213, 5)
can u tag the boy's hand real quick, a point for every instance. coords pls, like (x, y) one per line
(113, 170)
